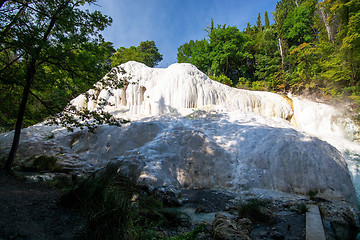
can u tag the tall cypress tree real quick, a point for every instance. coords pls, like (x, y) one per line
(258, 22)
(267, 22)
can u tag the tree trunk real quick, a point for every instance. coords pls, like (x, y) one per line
(296, 2)
(30, 73)
(327, 25)
(281, 52)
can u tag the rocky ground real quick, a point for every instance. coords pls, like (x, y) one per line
(30, 210)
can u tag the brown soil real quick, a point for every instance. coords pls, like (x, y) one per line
(30, 211)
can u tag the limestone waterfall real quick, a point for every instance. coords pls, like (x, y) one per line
(188, 131)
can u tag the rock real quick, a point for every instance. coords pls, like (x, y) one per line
(276, 235)
(245, 225)
(263, 233)
(342, 220)
(226, 229)
(200, 209)
(169, 196)
(341, 229)
(202, 135)
(256, 210)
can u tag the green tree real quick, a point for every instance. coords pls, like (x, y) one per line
(340, 59)
(229, 53)
(51, 93)
(267, 21)
(123, 55)
(282, 9)
(38, 37)
(258, 22)
(196, 53)
(146, 53)
(298, 26)
(223, 79)
(150, 53)
(268, 60)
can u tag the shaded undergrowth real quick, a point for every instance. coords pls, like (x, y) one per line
(256, 210)
(116, 208)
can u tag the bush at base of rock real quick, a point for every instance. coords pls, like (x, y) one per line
(39, 164)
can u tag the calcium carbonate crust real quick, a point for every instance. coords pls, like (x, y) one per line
(188, 131)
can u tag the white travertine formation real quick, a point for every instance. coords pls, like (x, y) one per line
(189, 131)
(152, 92)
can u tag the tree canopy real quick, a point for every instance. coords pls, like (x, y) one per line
(50, 50)
(146, 53)
(312, 46)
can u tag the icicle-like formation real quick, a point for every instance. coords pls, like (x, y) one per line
(218, 140)
(135, 89)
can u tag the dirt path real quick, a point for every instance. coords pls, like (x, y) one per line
(30, 211)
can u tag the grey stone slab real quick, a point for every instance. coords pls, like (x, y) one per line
(314, 225)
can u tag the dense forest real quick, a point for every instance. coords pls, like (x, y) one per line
(53, 50)
(312, 47)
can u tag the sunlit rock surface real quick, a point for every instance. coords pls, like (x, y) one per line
(155, 91)
(189, 131)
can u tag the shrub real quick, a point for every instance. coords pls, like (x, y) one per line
(39, 163)
(255, 210)
(223, 79)
(107, 201)
(312, 193)
(192, 235)
(303, 208)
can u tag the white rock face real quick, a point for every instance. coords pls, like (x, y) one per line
(189, 131)
(152, 92)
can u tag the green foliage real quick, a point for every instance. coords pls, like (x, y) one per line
(259, 86)
(115, 208)
(267, 21)
(258, 23)
(192, 235)
(196, 53)
(312, 47)
(298, 23)
(255, 210)
(312, 193)
(41, 163)
(223, 79)
(226, 52)
(268, 58)
(53, 47)
(146, 53)
(72, 118)
(302, 207)
(243, 83)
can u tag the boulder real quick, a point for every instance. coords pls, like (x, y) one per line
(226, 229)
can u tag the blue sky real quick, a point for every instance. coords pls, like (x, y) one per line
(171, 23)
